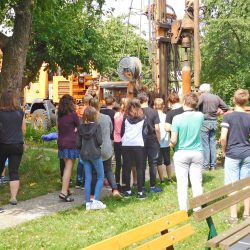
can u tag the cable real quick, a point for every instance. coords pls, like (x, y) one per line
(126, 35)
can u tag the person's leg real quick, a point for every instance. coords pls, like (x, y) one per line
(134, 174)
(212, 144)
(126, 155)
(195, 173)
(232, 174)
(181, 162)
(98, 164)
(167, 162)
(79, 174)
(205, 144)
(62, 166)
(159, 166)
(118, 161)
(109, 173)
(138, 153)
(153, 152)
(88, 178)
(67, 175)
(244, 173)
(15, 157)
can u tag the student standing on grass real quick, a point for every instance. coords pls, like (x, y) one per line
(80, 171)
(118, 119)
(67, 127)
(12, 130)
(164, 154)
(152, 146)
(107, 146)
(235, 144)
(89, 142)
(188, 157)
(134, 129)
(209, 104)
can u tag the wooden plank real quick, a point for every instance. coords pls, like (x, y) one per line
(221, 205)
(234, 238)
(214, 242)
(215, 194)
(139, 233)
(167, 239)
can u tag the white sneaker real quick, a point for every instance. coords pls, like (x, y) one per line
(88, 205)
(95, 205)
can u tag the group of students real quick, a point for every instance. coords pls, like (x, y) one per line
(140, 136)
(131, 129)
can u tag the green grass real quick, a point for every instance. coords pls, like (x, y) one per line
(78, 228)
(39, 174)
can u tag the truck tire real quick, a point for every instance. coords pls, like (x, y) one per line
(40, 119)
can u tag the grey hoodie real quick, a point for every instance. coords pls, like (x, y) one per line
(107, 144)
(89, 140)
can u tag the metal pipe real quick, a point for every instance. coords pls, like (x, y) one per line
(197, 64)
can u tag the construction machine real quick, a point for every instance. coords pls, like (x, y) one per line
(41, 97)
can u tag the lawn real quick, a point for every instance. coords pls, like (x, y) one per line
(77, 228)
(39, 172)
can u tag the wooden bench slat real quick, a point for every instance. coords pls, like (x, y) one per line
(139, 233)
(213, 195)
(214, 242)
(222, 204)
(167, 239)
(235, 238)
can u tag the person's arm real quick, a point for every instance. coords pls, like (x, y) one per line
(24, 126)
(78, 140)
(158, 132)
(168, 127)
(157, 126)
(173, 139)
(99, 135)
(223, 139)
(222, 105)
(174, 133)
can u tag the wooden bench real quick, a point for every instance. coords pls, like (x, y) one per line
(217, 200)
(166, 238)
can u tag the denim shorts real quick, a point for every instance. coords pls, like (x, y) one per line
(236, 169)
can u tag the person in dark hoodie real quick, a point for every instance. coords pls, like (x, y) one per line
(89, 141)
(134, 127)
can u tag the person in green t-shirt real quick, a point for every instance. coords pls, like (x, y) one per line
(188, 156)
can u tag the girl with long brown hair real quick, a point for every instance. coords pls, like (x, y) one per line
(12, 129)
(68, 122)
(134, 128)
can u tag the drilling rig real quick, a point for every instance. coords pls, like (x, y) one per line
(174, 47)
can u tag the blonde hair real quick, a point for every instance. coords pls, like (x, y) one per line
(241, 97)
(159, 103)
(124, 103)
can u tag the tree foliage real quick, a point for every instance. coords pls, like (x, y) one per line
(119, 40)
(226, 45)
(71, 33)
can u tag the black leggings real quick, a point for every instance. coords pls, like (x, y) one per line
(130, 153)
(14, 153)
(119, 164)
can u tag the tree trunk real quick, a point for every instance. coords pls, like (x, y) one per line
(16, 48)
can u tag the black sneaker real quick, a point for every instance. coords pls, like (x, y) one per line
(142, 196)
(127, 195)
(78, 185)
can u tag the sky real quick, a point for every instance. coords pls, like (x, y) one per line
(122, 7)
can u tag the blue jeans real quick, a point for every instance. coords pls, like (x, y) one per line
(80, 173)
(208, 138)
(98, 165)
(236, 169)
